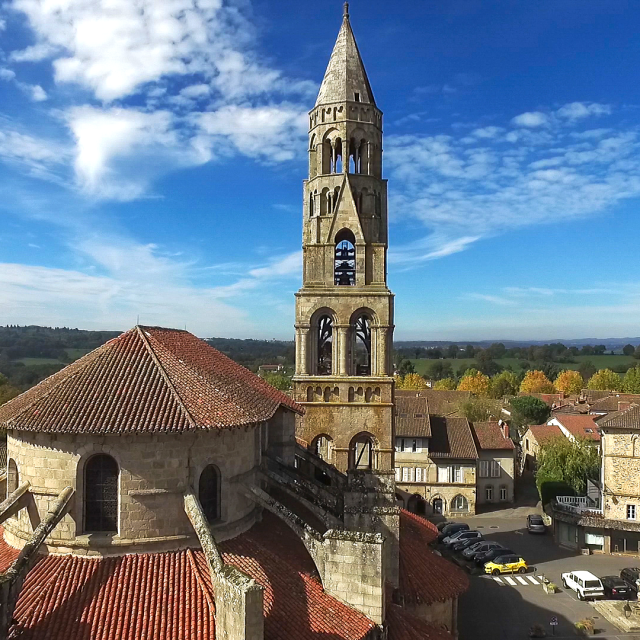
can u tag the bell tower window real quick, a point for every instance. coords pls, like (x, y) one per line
(345, 259)
(325, 346)
(357, 97)
(363, 346)
(101, 494)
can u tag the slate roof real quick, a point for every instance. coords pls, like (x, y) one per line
(147, 380)
(451, 438)
(489, 436)
(545, 432)
(625, 419)
(610, 402)
(412, 417)
(579, 426)
(162, 596)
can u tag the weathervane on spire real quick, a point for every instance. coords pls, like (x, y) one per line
(346, 9)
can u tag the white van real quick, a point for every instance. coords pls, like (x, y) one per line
(584, 583)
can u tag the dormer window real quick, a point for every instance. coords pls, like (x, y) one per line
(357, 97)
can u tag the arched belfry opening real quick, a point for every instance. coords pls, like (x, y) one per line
(345, 259)
(362, 452)
(324, 365)
(101, 494)
(209, 492)
(362, 347)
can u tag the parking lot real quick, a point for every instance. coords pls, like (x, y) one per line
(506, 608)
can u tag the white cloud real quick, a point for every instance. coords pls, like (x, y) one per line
(531, 119)
(34, 53)
(270, 133)
(287, 266)
(465, 187)
(7, 75)
(578, 110)
(3, 24)
(34, 91)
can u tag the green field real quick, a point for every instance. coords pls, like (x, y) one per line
(615, 362)
(36, 361)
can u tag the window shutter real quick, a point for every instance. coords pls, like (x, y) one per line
(495, 468)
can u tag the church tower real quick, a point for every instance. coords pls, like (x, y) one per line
(344, 310)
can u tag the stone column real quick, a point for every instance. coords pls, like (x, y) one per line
(343, 349)
(382, 351)
(301, 350)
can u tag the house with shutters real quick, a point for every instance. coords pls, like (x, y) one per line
(436, 459)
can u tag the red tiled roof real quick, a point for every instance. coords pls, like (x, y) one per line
(405, 626)
(578, 425)
(548, 398)
(147, 380)
(425, 577)
(489, 436)
(162, 596)
(412, 417)
(612, 401)
(451, 438)
(545, 432)
(626, 419)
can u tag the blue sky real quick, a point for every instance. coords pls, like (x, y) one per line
(152, 155)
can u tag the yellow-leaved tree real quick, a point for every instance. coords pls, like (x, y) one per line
(605, 380)
(412, 381)
(569, 382)
(536, 382)
(474, 381)
(446, 384)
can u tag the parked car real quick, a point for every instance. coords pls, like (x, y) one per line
(584, 583)
(535, 524)
(615, 588)
(509, 563)
(454, 537)
(480, 547)
(631, 575)
(452, 528)
(441, 525)
(487, 556)
(466, 539)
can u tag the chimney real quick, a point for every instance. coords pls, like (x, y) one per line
(504, 427)
(623, 405)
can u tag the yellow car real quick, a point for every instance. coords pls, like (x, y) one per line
(505, 564)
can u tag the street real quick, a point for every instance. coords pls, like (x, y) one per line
(506, 608)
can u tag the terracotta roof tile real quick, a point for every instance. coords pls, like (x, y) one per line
(405, 626)
(425, 577)
(147, 380)
(626, 419)
(489, 436)
(611, 402)
(451, 438)
(580, 426)
(161, 596)
(441, 403)
(412, 417)
(545, 432)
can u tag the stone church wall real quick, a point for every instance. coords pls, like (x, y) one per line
(155, 471)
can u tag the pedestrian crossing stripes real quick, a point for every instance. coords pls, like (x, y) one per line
(525, 581)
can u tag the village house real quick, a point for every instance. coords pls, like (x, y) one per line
(534, 438)
(576, 427)
(496, 463)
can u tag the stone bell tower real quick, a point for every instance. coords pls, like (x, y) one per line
(344, 310)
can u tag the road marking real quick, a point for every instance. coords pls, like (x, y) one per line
(532, 580)
(499, 582)
(511, 581)
(522, 581)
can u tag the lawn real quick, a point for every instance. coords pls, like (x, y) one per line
(618, 362)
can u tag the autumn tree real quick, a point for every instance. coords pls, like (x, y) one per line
(605, 380)
(536, 382)
(503, 384)
(569, 382)
(631, 380)
(411, 381)
(475, 382)
(446, 384)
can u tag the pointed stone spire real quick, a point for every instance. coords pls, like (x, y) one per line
(345, 75)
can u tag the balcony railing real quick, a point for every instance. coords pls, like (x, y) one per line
(576, 504)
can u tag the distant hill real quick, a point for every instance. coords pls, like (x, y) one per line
(612, 344)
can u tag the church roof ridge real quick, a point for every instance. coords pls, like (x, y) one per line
(345, 75)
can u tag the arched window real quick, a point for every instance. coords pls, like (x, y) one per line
(337, 151)
(361, 452)
(13, 479)
(209, 492)
(362, 351)
(322, 446)
(101, 494)
(325, 346)
(345, 259)
(438, 506)
(460, 504)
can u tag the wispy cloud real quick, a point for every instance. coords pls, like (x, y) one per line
(544, 168)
